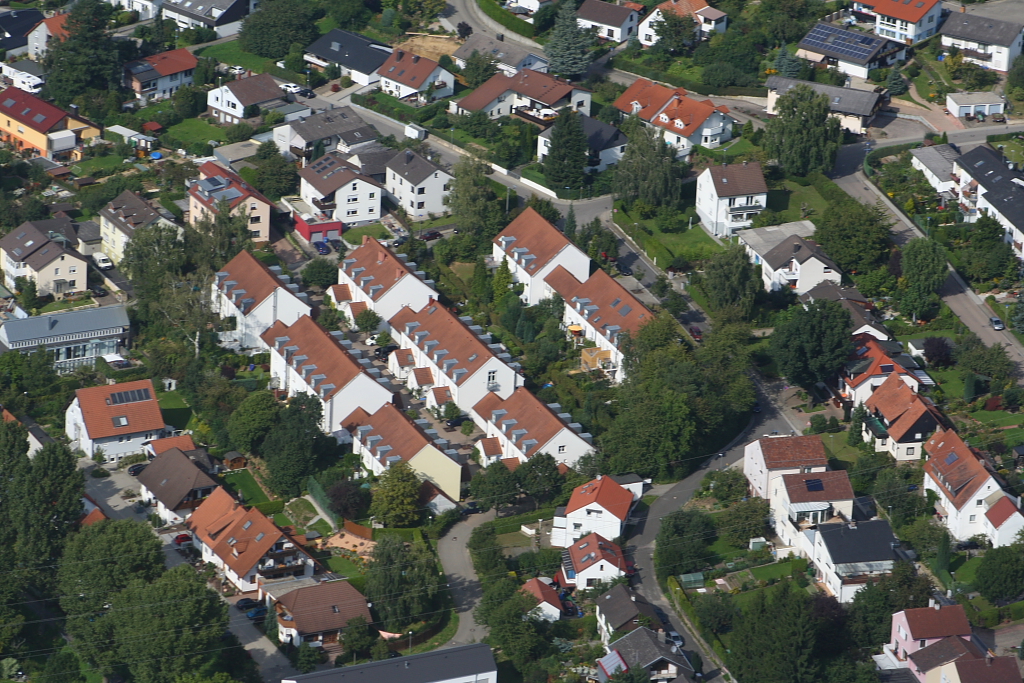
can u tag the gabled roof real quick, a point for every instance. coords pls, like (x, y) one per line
(543, 592)
(128, 211)
(413, 167)
(646, 98)
(945, 651)
(643, 648)
(35, 329)
(387, 434)
(211, 12)
(604, 13)
(172, 476)
(666, 108)
(508, 53)
(870, 541)
(937, 158)
(595, 548)
(763, 240)
(531, 241)
(27, 109)
(467, 662)
(621, 605)
(490, 447)
(326, 606)
(818, 487)
(952, 464)
(219, 184)
(183, 442)
(424, 377)
(938, 621)
(793, 451)
(340, 121)
(374, 269)
(847, 45)
(1001, 511)
(247, 273)
(239, 537)
(977, 28)
(603, 491)
(841, 100)
(600, 135)
(683, 8)
(15, 26)
(605, 304)
(255, 89)
(800, 249)
(1003, 187)
(988, 670)
(911, 11)
(408, 69)
(734, 180)
(869, 359)
(331, 172)
(352, 50)
(405, 358)
(167, 63)
(116, 409)
(56, 25)
(534, 85)
(524, 413)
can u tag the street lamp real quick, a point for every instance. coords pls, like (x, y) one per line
(410, 641)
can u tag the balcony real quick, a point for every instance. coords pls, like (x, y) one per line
(324, 204)
(976, 56)
(745, 208)
(299, 152)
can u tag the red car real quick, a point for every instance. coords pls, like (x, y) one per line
(695, 333)
(182, 538)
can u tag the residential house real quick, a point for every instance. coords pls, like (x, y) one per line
(338, 190)
(930, 663)
(73, 338)
(681, 121)
(118, 419)
(538, 96)
(591, 562)
(525, 426)
(600, 506)
(387, 437)
(991, 43)
(236, 155)
(372, 161)
(965, 104)
(797, 264)
(729, 197)
(707, 20)
(174, 485)
(847, 555)
(158, 76)
(92, 513)
(862, 317)
(224, 17)
(31, 253)
(644, 649)
(766, 459)
(855, 109)
(599, 310)
(917, 628)
(510, 58)
(533, 249)
(307, 359)
(357, 56)
(25, 75)
(15, 26)
(51, 28)
(622, 610)
(851, 52)
(339, 128)
(1003, 522)
(250, 296)
(228, 102)
(465, 365)
(464, 664)
(900, 421)
(244, 544)
(317, 614)
(373, 276)
(217, 185)
(969, 668)
(906, 22)
(608, 21)
(936, 162)
(418, 185)
(33, 127)
(803, 501)
(871, 362)
(986, 186)
(407, 75)
(120, 218)
(34, 434)
(759, 241)
(147, 9)
(182, 442)
(605, 144)
(966, 488)
(549, 607)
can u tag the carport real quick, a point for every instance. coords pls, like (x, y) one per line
(962, 104)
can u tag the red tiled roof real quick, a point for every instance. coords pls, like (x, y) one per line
(683, 8)
(543, 592)
(423, 376)
(491, 447)
(543, 88)
(595, 548)
(532, 232)
(949, 649)
(327, 606)
(911, 11)
(652, 100)
(211, 169)
(530, 413)
(994, 670)
(340, 293)
(29, 110)
(442, 395)
(394, 429)
(378, 268)
(604, 491)
(137, 416)
(956, 469)
(172, 61)
(834, 486)
(56, 26)
(252, 275)
(793, 451)
(183, 443)
(613, 305)
(512, 464)
(408, 69)
(1001, 511)
(405, 358)
(891, 399)
(867, 347)
(920, 407)
(220, 523)
(93, 517)
(152, 126)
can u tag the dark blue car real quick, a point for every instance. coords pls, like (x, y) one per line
(257, 613)
(321, 248)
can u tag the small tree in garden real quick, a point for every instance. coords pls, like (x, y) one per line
(854, 436)
(938, 352)
(367, 320)
(307, 658)
(451, 411)
(895, 83)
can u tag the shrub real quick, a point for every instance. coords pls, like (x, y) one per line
(270, 507)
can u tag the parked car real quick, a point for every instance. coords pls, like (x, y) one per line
(291, 87)
(623, 269)
(400, 241)
(676, 639)
(431, 235)
(382, 352)
(456, 421)
(257, 613)
(997, 324)
(757, 406)
(136, 469)
(472, 507)
(305, 92)
(102, 261)
(695, 333)
(182, 538)
(236, 70)
(337, 245)
(998, 118)
(246, 604)
(98, 291)
(322, 248)
(119, 364)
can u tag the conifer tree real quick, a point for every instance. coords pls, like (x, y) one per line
(564, 163)
(567, 50)
(86, 58)
(895, 83)
(570, 224)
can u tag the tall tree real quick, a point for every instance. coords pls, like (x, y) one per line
(471, 199)
(250, 423)
(786, 63)
(320, 272)
(290, 448)
(276, 177)
(924, 272)
(1001, 574)
(395, 500)
(494, 486)
(567, 157)
(568, 49)
(86, 58)
(539, 478)
(872, 607)
(479, 68)
(648, 171)
(895, 82)
(774, 640)
(744, 520)
(729, 282)
(856, 236)
(675, 32)
(682, 543)
(570, 223)
(271, 29)
(402, 582)
(813, 343)
(803, 136)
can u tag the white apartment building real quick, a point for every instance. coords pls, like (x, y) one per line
(991, 43)
(600, 506)
(611, 22)
(729, 197)
(120, 419)
(906, 22)
(417, 185)
(338, 190)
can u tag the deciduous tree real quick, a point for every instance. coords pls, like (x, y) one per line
(648, 171)
(495, 486)
(395, 500)
(357, 637)
(872, 608)
(812, 344)
(402, 582)
(924, 272)
(744, 520)
(854, 235)
(290, 447)
(250, 423)
(348, 498)
(1000, 575)
(271, 29)
(803, 136)
(682, 543)
(729, 282)
(368, 321)
(276, 177)
(675, 32)
(320, 272)
(478, 69)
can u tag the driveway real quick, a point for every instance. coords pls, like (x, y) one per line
(273, 664)
(462, 579)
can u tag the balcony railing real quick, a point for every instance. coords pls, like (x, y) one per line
(744, 208)
(324, 205)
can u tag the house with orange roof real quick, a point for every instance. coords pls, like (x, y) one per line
(466, 365)
(387, 436)
(600, 506)
(119, 419)
(549, 607)
(600, 310)
(902, 20)
(900, 421)
(800, 502)
(250, 296)
(375, 277)
(92, 513)
(406, 75)
(158, 76)
(217, 187)
(158, 446)
(525, 426)
(592, 561)
(531, 93)
(533, 248)
(51, 28)
(871, 362)
(680, 120)
(1003, 522)
(707, 20)
(771, 457)
(244, 544)
(307, 359)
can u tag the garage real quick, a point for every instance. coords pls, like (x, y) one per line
(333, 234)
(964, 104)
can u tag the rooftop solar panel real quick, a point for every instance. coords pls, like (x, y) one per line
(952, 458)
(839, 41)
(814, 485)
(132, 396)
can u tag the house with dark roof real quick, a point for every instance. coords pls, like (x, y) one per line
(600, 506)
(945, 654)
(847, 555)
(605, 144)
(798, 264)
(34, 127)
(533, 248)
(417, 184)
(228, 102)
(510, 58)
(991, 669)
(680, 120)
(528, 93)
(729, 197)
(906, 21)
(549, 607)
(35, 251)
(463, 664)
(121, 217)
(991, 43)
(707, 19)
(407, 75)
(318, 613)
(372, 161)
(900, 420)
(357, 56)
(158, 76)
(174, 485)
(644, 649)
(622, 610)
(862, 311)
(851, 52)
(120, 419)
(15, 26)
(936, 162)
(591, 562)
(222, 16)
(917, 628)
(986, 186)
(608, 21)
(854, 109)
(338, 190)
(800, 502)
(768, 458)
(219, 187)
(339, 128)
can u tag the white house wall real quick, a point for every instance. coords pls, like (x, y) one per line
(282, 306)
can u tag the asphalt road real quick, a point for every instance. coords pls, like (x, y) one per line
(462, 580)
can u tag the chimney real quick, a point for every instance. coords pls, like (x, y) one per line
(408, 156)
(938, 606)
(744, 163)
(398, 55)
(931, 602)
(415, 59)
(599, 477)
(633, 598)
(501, 36)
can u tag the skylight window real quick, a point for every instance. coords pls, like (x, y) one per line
(247, 524)
(952, 458)
(260, 536)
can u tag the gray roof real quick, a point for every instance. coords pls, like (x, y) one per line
(1004, 189)
(413, 168)
(938, 159)
(849, 298)
(966, 98)
(846, 45)
(763, 240)
(372, 160)
(643, 647)
(870, 541)
(440, 665)
(840, 100)
(81, 321)
(15, 26)
(27, 66)
(505, 53)
(798, 248)
(351, 50)
(623, 479)
(982, 29)
(31, 244)
(172, 476)
(342, 121)
(600, 135)
(236, 151)
(207, 12)
(604, 12)
(620, 606)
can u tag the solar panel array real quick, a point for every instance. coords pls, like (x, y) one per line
(133, 396)
(815, 485)
(850, 44)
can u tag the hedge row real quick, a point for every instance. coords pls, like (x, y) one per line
(652, 246)
(506, 19)
(270, 507)
(397, 110)
(630, 66)
(1001, 137)
(877, 155)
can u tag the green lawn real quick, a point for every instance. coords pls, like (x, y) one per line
(242, 481)
(281, 519)
(951, 381)
(64, 305)
(772, 571)
(845, 454)
(374, 230)
(724, 550)
(515, 539)
(344, 566)
(301, 511)
(968, 570)
(694, 239)
(321, 525)
(176, 411)
(231, 53)
(110, 162)
(923, 335)
(1013, 150)
(195, 130)
(788, 202)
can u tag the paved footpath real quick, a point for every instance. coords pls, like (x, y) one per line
(462, 580)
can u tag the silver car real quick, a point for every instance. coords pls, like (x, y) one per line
(997, 324)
